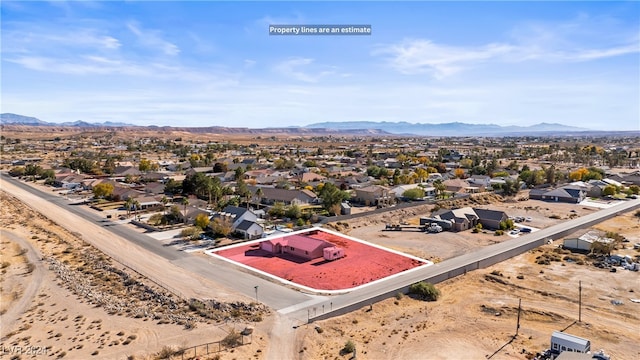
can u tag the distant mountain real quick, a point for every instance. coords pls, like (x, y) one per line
(14, 119)
(447, 129)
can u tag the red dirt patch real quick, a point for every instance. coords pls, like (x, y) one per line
(362, 264)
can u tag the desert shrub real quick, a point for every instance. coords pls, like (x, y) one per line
(232, 339)
(399, 295)
(349, 347)
(498, 233)
(425, 290)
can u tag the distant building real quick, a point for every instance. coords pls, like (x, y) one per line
(562, 342)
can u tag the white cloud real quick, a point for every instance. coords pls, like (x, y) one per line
(424, 56)
(303, 69)
(579, 40)
(153, 39)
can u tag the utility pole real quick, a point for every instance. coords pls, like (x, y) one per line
(580, 301)
(519, 307)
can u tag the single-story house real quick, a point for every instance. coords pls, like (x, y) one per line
(301, 246)
(375, 195)
(467, 218)
(569, 194)
(249, 230)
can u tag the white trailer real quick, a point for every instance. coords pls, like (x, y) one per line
(561, 341)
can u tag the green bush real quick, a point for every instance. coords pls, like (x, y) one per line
(425, 290)
(349, 347)
(498, 232)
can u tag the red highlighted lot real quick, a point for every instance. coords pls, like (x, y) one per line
(361, 264)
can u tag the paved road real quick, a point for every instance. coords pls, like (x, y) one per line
(438, 272)
(274, 295)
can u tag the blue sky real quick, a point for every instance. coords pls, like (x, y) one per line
(209, 63)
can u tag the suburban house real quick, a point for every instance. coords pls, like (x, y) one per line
(569, 194)
(461, 219)
(69, 181)
(243, 221)
(397, 191)
(288, 197)
(480, 180)
(237, 215)
(467, 218)
(374, 195)
(301, 246)
(462, 186)
(249, 230)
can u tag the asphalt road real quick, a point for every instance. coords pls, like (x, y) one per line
(303, 306)
(272, 294)
(361, 296)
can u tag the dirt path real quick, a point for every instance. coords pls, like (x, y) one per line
(282, 340)
(8, 320)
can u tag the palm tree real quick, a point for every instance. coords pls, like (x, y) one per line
(164, 202)
(127, 205)
(185, 203)
(440, 188)
(136, 205)
(259, 195)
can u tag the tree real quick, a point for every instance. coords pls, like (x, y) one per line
(421, 174)
(136, 207)
(510, 187)
(145, 165)
(191, 233)
(440, 188)
(426, 291)
(185, 203)
(414, 194)
(293, 212)
(466, 163)
(103, 190)
(331, 196)
(173, 187)
(609, 190)
(221, 226)
(277, 210)
(259, 195)
(219, 167)
(127, 205)
(17, 171)
(157, 219)
(202, 221)
(164, 201)
(635, 189)
(459, 173)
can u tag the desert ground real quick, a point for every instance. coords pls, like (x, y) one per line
(476, 315)
(45, 311)
(62, 298)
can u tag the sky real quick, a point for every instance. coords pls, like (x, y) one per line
(205, 63)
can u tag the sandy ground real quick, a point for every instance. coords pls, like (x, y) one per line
(464, 323)
(446, 245)
(477, 313)
(43, 316)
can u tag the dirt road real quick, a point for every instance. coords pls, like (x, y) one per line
(17, 308)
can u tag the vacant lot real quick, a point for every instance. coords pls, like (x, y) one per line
(477, 313)
(363, 263)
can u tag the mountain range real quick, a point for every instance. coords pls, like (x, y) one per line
(449, 129)
(15, 119)
(347, 127)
